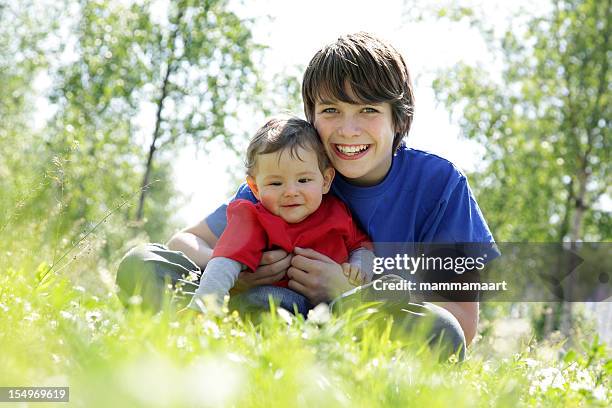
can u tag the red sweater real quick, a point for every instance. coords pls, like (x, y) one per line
(251, 230)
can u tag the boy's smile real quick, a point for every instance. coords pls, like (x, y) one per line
(289, 187)
(358, 138)
(351, 152)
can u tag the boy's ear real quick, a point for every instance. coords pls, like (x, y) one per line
(253, 186)
(328, 177)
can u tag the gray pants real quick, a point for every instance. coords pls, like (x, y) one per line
(148, 270)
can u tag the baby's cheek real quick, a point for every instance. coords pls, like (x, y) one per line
(315, 198)
(270, 204)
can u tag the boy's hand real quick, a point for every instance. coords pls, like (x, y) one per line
(316, 276)
(353, 273)
(272, 268)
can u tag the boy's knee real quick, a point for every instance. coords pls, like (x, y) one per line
(135, 276)
(446, 332)
(426, 322)
(141, 252)
(132, 263)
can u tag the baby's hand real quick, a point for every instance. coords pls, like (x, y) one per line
(354, 275)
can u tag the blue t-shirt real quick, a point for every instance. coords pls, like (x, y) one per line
(423, 198)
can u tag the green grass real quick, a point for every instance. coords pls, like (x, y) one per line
(63, 335)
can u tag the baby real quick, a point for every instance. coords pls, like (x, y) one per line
(289, 174)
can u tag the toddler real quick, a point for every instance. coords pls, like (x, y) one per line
(290, 175)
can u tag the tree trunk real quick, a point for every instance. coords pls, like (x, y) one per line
(144, 186)
(575, 235)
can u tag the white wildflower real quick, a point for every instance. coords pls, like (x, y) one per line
(549, 377)
(66, 315)
(600, 392)
(320, 314)
(236, 358)
(285, 315)
(32, 317)
(93, 316)
(211, 328)
(181, 341)
(583, 381)
(135, 300)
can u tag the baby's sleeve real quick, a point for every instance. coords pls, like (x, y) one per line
(357, 237)
(244, 239)
(218, 278)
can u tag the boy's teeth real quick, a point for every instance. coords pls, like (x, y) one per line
(351, 149)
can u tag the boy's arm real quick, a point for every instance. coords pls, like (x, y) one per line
(196, 242)
(467, 315)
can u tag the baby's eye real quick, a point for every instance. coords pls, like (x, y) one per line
(304, 180)
(275, 183)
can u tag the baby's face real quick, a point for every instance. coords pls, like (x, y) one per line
(289, 187)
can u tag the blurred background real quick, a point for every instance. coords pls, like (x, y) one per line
(123, 121)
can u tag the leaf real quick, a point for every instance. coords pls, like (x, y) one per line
(569, 356)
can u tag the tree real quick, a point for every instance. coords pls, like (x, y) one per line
(24, 31)
(190, 70)
(545, 125)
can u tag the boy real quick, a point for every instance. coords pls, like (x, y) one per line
(289, 174)
(358, 94)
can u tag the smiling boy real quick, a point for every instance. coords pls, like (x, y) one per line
(358, 94)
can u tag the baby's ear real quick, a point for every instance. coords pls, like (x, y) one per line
(328, 177)
(253, 186)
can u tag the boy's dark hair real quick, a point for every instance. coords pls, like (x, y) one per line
(285, 132)
(374, 71)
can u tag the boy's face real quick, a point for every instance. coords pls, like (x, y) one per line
(358, 138)
(289, 187)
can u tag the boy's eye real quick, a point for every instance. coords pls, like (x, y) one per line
(304, 180)
(370, 110)
(329, 110)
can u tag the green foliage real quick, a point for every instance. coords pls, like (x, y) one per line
(544, 124)
(544, 121)
(61, 335)
(125, 80)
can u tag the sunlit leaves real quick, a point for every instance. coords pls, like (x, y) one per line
(542, 123)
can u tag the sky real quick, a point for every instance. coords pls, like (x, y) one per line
(294, 31)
